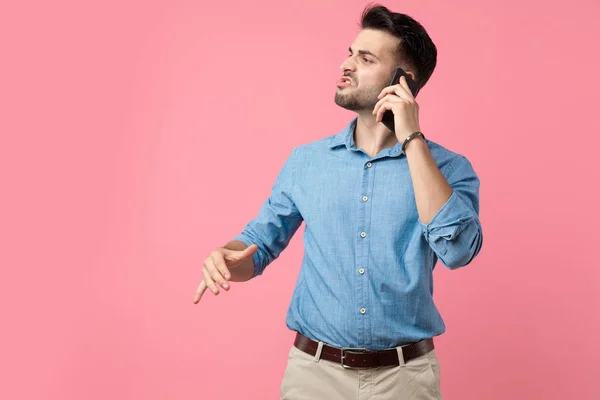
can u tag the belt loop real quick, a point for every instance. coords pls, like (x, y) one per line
(401, 362)
(318, 353)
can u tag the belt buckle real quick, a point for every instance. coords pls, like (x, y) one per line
(351, 349)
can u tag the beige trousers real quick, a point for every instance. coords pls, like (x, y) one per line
(308, 377)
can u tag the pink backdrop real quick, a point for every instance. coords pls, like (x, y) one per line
(137, 136)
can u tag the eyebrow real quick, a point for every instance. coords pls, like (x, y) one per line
(364, 52)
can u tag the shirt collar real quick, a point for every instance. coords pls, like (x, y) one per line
(346, 138)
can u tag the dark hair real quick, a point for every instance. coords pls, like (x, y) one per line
(416, 48)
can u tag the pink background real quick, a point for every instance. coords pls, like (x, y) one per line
(138, 136)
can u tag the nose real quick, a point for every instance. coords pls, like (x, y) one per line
(348, 65)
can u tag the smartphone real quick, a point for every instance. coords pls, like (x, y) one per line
(388, 116)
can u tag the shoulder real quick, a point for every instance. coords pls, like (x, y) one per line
(332, 141)
(446, 159)
(314, 149)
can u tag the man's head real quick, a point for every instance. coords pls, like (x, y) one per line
(387, 40)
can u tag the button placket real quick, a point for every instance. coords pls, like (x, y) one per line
(363, 328)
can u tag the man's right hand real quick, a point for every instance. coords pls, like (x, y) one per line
(217, 268)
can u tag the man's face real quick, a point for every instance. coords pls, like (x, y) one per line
(370, 65)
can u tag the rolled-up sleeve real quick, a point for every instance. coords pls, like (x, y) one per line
(277, 220)
(455, 233)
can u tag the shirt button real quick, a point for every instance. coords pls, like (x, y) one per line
(362, 234)
(361, 271)
(365, 198)
(362, 311)
(369, 165)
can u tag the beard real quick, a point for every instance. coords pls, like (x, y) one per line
(354, 99)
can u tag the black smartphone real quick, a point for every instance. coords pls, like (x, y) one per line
(388, 116)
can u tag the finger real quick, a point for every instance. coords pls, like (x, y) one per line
(219, 262)
(249, 251)
(209, 282)
(393, 106)
(199, 292)
(404, 84)
(382, 109)
(398, 90)
(215, 274)
(240, 255)
(389, 97)
(387, 90)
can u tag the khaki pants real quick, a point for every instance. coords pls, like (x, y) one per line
(308, 377)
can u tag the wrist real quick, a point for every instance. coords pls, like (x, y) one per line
(416, 136)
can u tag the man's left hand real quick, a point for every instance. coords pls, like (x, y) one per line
(400, 101)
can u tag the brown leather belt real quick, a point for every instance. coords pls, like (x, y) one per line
(350, 357)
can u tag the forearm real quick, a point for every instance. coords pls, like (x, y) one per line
(245, 270)
(430, 187)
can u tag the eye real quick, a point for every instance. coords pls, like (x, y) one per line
(365, 59)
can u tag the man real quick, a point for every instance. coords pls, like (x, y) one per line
(380, 208)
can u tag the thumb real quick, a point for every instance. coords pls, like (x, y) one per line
(239, 255)
(249, 251)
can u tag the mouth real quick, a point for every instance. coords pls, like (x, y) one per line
(344, 81)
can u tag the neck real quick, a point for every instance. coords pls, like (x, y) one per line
(372, 136)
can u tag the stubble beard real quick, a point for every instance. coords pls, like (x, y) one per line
(357, 100)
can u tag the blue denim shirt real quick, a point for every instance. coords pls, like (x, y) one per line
(366, 276)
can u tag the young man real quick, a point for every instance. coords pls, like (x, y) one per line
(380, 208)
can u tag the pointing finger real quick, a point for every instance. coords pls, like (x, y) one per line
(199, 292)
